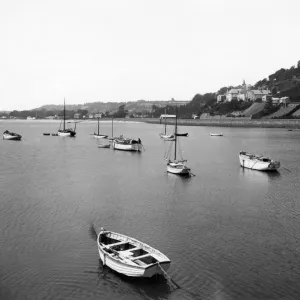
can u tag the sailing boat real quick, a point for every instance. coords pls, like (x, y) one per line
(176, 166)
(66, 131)
(98, 135)
(125, 144)
(165, 136)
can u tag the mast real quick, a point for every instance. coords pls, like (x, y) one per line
(175, 132)
(64, 115)
(112, 127)
(98, 122)
(165, 120)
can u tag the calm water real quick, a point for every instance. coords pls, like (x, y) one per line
(230, 233)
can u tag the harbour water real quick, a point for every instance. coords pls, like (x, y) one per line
(230, 233)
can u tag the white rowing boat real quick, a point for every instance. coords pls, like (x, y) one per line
(9, 135)
(216, 134)
(129, 256)
(257, 162)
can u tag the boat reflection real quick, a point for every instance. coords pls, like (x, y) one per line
(156, 287)
(259, 176)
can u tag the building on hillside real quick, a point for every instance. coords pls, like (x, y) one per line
(256, 94)
(99, 115)
(195, 116)
(77, 115)
(221, 98)
(165, 116)
(275, 101)
(266, 98)
(91, 116)
(234, 94)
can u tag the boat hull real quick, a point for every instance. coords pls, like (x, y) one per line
(104, 146)
(123, 263)
(100, 136)
(12, 137)
(216, 134)
(179, 169)
(255, 164)
(126, 147)
(167, 137)
(69, 133)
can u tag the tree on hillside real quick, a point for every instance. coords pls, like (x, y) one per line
(222, 91)
(121, 113)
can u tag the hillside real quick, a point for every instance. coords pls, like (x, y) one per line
(283, 83)
(253, 109)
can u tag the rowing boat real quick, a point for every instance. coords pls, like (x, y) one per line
(129, 256)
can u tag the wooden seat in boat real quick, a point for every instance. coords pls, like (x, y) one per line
(139, 257)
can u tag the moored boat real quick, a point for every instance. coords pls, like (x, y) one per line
(129, 256)
(127, 144)
(104, 146)
(216, 134)
(167, 137)
(164, 135)
(66, 131)
(182, 134)
(9, 135)
(175, 165)
(98, 135)
(257, 162)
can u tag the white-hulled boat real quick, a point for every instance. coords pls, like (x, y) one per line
(216, 134)
(176, 166)
(129, 256)
(66, 131)
(104, 146)
(8, 135)
(127, 144)
(164, 135)
(167, 137)
(257, 162)
(98, 135)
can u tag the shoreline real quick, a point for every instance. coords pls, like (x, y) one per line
(232, 122)
(248, 123)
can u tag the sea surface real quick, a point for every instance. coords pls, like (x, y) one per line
(230, 233)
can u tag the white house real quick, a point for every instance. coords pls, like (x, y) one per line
(167, 116)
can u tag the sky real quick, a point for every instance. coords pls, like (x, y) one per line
(127, 50)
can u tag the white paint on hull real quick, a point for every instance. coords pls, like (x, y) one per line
(179, 168)
(11, 137)
(124, 263)
(257, 164)
(100, 136)
(130, 147)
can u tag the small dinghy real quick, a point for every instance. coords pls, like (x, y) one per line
(8, 135)
(46, 133)
(54, 134)
(104, 146)
(216, 134)
(129, 256)
(257, 162)
(182, 134)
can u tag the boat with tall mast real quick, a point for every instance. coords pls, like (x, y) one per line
(98, 135)
(176, 166)
(112, 129)
(164, 135)
(66, 131)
